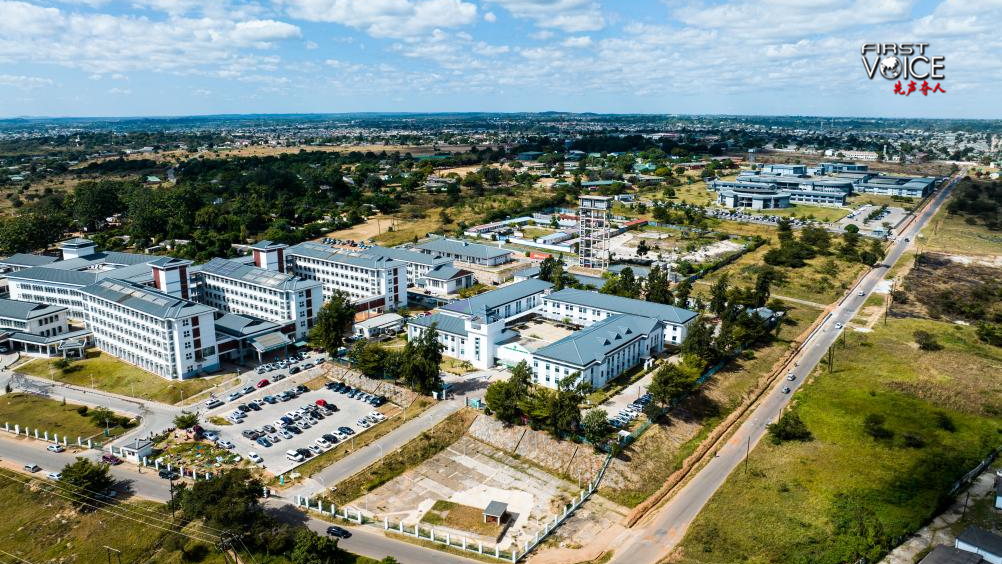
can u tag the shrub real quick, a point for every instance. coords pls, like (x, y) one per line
(926, 341)
(82, 410)
(789, 428)
(944, 422)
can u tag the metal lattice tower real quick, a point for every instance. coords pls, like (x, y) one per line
(593, 224)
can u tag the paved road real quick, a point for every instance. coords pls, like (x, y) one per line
(654, 539)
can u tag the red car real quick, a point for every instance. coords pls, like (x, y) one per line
(263, 383)
(322, 403)
(111, 459)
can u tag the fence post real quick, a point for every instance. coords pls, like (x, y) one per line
(514, 556)
(401, 527)
(46, 436)
(417, 531)
(79, 442)
(89, 444)
(64, 440)
(448, 541)
(433, 535)
(480, 547)
(386, 523)
(6, 426)
(358, 514)
(464, 543)
(36, 432)
(497, 553)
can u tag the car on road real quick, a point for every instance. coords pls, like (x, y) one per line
(168, 474)
(111, 459)
(861, 294)
(55, 448)
(791, 376)
(838, 325)
(263, 441)
(339, 532)
(254, 457)
(32, 468)
(54, 476)
(263, 383)
(786, 389)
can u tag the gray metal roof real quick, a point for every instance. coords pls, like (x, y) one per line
(55, 275)
(949, 555)
(248, 274)
(269, 341)
(618, 304)
(77, 242)
(444, 323)
(407, 255)
(985, 540)
(20, 310)
(496, 509)
(446, 272)
(380, 320)
(28, 260)
(22, 337)
(481, 303)
(592, 344)
(354, 258)
(144, 299)
(238, 325)
(266, 244)
(462, 248)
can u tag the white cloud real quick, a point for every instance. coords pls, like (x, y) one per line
(577, 42)
(386, 18)
(263, 31)
(24, 82)
(572, 16)
(119, 91)
(311, 45)
(490, 17)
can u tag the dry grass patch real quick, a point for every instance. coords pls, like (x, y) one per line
(460, 517)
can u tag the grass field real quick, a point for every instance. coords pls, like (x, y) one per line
(461, 517)
(43, 527)
(107, 373)
(661, 450)
(395, 463)
(951, 234)
(50, 415)
(819, 213)
(787, 506)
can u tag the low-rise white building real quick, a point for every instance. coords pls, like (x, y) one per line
(36, 329)
(584, 307)
(599, 353)
(464, 251)
(169, 336)
(447, 279)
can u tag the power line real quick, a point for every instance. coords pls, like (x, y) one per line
(16, 557)
(109, 511)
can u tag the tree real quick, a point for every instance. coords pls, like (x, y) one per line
(763, 281)
(658, 286)
(83, 479)
(718, 296)
(789, 428)
(682, 293)
(669, 383)
(334, 320)
(231, 500)
(419, 363)
(504, 397)
(368, 358)
(595, 426)
(93, 202)
(698, 342)
(311, 548)
(926, 341)
(186, 420)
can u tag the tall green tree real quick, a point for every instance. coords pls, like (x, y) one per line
(658, 286)
(83, 479)
(505, 397)
(595, 426)
(682, 293)
(311, 548)
(420, 360)
(718, 296)
(230, 501)
(334, 320)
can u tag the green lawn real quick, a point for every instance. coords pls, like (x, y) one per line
(50, 415)
(819, 213)
(460, 517)
(786, 507)
(105, 372)
(951, 234)
(58, 533)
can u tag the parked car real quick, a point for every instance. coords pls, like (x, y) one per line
(294, 456)
(211, 436)
(250, 434)
(263, 383)
(54, 476)
(254, 405)
(321, 402)
(294, 429)
(278, 377)
(269, 399)
(346, 430)
(294, 370)
(234, 396)
(168, 474)
(213, 403)
(330, 438)
(263, 442)
(111, 459)
(225, 444)
(305, 452)
(32, 468)
(249, 390)
(55, 448)
(302, 389)
(254, 457)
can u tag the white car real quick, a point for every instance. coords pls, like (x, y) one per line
(211, 436)
(254, 457)
(225, 444)
(323, 443)
(235, 395)
(838, 325)
(54, 476)
(55, 448)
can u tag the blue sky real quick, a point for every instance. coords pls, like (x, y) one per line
(184, 57)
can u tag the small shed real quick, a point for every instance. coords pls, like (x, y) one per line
(136, 450)
(495, 512)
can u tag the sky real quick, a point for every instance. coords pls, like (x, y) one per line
(762, 57)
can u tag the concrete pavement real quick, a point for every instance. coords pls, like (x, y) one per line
(663, 530)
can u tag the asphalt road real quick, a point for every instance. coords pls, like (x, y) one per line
(657, 535)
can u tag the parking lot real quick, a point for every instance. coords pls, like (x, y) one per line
(282, 439)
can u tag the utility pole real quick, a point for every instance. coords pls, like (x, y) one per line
(831, 359)
(887, 306)
(966, 499)
(117, 552)
(747, 452)
(172, 505)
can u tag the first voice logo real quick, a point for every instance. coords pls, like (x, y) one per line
(904, 61)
